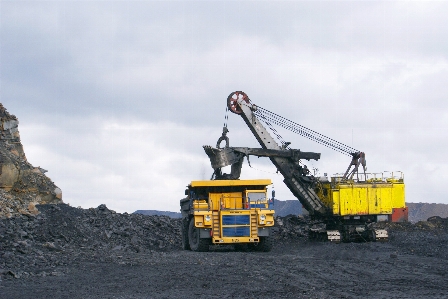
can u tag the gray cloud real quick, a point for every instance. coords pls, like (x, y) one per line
(105, 91)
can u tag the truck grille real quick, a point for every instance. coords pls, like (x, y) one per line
(235, 220)
(236, 231)
(235, 225)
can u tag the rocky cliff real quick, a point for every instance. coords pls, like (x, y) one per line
(22, 185)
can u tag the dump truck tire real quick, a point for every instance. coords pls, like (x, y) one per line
(195, 242)
(265, 244)
(185, 242)
(241, 247)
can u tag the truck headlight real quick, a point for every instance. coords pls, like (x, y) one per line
(263, 217)
(207, 218)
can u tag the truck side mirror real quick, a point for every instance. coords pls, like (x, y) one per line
(186, 191)
(273, 194)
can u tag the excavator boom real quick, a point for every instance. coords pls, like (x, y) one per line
(347, 206)
(296, 177)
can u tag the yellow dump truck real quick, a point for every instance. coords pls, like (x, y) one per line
(236, 212)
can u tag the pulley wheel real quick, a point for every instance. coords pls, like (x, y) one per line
(232, 101)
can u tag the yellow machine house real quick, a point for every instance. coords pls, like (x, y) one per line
(381, 195)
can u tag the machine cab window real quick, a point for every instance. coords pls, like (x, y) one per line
(257, 199)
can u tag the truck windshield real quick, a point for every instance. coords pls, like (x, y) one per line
(256, 196)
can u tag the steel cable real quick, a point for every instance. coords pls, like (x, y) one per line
(270, 118)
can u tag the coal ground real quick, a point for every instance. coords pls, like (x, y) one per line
(67, 252)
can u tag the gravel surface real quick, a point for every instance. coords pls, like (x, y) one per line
(66, 252)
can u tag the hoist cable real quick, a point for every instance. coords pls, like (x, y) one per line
(226, 117)
(270, 118)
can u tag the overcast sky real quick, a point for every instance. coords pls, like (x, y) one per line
(116, 98)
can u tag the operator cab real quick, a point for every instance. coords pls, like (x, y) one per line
(257, 199)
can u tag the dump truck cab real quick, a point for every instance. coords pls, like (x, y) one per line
(219, 212)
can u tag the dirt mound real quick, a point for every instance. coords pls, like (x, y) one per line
(60, 233)
(22, 185)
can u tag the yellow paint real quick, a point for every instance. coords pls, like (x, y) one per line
(232, 240)
(200, 219)
(336, 202)
(227, 183)
(215, 201)
(232, 200)
(370, 198)
(226, 200)
(200, 205)
(268, 218)
(398, 196)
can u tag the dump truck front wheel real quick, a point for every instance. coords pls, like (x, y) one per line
(265, 244)
(195, 242)
(185, 241)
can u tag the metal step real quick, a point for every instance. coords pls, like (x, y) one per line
(216, 228)
(253, 225)
(381, 235)
(334, 236)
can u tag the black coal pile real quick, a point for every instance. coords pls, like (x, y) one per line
(60, 234)
(424, 238)
(42, 244)
(291, 227)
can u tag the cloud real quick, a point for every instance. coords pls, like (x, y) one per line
(116, 99)
(127, 164)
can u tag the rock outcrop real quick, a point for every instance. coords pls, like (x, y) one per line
(22, 186)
